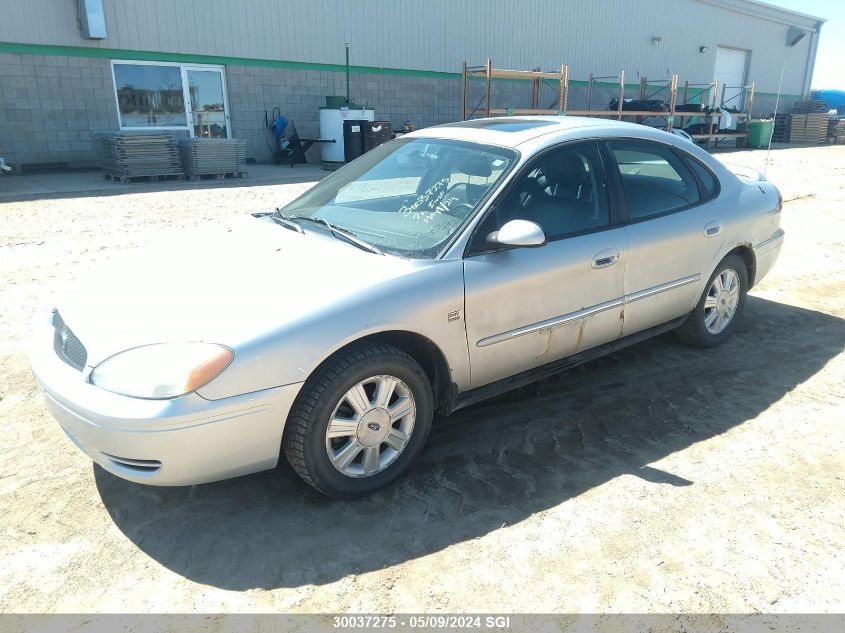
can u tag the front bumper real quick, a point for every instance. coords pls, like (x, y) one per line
(181, 441)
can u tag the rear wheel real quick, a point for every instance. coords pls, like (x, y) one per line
(720, 307)
(359, 421)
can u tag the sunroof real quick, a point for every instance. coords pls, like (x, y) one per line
(502, 125)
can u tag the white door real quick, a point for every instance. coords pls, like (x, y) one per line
(730, 71)
(205, 101)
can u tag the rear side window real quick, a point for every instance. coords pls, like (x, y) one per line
(654, 179)
(710, 187)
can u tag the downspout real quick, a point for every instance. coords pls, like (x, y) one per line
(811, 60)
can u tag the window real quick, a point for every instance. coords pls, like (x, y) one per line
(408, 198)
(709, 184)
(171, 96)
(150, 96)
(563, 192)
(654, 179)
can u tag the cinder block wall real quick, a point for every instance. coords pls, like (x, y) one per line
(50, 104)
(300, 93)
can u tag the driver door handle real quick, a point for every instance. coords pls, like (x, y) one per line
(606, 258)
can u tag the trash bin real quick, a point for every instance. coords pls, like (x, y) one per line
(760, 132)
(376, 133)
(353, 139)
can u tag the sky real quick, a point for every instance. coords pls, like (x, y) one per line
(830, 59)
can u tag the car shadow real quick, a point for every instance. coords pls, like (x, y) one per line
(493, 464)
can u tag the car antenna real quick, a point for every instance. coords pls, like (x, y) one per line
(775, 116)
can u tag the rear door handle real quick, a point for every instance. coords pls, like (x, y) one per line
(606, 258)
(712, 229)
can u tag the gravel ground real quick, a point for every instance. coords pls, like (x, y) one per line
(659, 479)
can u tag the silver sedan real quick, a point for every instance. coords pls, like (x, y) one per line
(455, 263)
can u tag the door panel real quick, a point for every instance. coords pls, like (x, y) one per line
(668, 261)
(730, 72)
(207, 102)
(673, 236)
(526, 307)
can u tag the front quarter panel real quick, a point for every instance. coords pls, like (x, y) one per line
(419, 301)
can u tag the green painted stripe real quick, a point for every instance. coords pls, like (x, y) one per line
(189, 58)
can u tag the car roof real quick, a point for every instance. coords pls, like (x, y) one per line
(512, 131)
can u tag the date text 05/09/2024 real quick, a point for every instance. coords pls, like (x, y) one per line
(368, 622)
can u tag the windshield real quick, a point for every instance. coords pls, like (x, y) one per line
(407, 197)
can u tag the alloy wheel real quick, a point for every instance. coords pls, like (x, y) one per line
(722, 301)
(370, 426)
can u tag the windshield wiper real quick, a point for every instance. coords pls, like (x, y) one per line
(347, 236)
(279, 218)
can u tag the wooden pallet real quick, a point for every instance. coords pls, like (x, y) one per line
(808, 128)
(122, 178)
(836, 131)
(218, 176)
(809, 107)
(783, 126)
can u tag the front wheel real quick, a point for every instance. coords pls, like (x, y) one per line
(721, 305)
(359, 421)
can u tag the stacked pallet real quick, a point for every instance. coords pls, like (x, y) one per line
(219, 157)
(836, 131)
(780, 134)
(808, 128)
(128, 155)
(809, 107)
(809, 122)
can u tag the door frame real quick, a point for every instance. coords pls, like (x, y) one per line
(745, 69)
(615, 175)
(186, 68)
(186, 97)
(615, 212)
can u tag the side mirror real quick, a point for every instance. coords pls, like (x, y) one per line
(518, 233)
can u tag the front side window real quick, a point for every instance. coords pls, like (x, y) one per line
(563, 192)
(408, 197)
(654, 179)
(149, 95)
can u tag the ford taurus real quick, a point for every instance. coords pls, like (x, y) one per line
(441, 268)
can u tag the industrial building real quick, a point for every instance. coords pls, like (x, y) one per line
(69, 68)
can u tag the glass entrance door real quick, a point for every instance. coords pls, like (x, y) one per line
(206, 101)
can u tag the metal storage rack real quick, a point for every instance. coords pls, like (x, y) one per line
(534, 76)
(488, 73)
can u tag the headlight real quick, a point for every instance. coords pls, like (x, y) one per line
(163, 370)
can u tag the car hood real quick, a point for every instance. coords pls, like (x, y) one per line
(224, 285)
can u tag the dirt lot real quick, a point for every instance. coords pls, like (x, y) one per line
(659, 479)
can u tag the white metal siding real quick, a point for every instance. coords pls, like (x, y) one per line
(599, 37)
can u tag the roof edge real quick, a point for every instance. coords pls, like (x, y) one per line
(767, 11)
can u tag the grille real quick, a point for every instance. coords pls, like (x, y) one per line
(67, 346)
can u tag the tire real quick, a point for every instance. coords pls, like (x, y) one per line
(698, 329)
(326, 397)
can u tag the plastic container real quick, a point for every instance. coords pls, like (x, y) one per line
(331, 127)
(760, 132)
(376, 133)
(353, 138)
